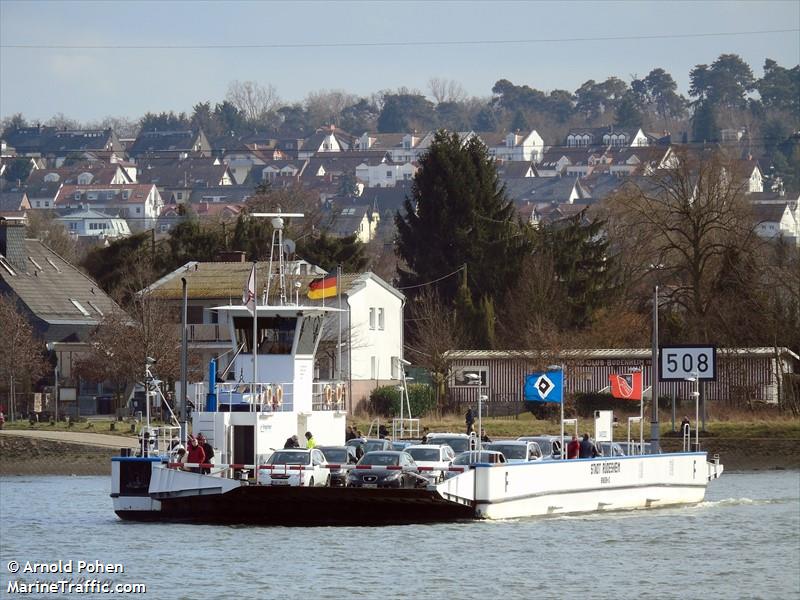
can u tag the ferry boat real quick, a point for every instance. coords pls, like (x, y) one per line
(276, 398)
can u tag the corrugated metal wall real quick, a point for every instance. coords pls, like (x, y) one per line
(739, 377)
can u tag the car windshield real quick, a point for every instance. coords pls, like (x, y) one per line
(425, 454)
(374, 445)
(334, 455)
(470, 458)
(380, 458)
(284, 457)
(458, 444)
(545, 444)
(510, 451)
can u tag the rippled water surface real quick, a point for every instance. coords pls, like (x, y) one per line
(743, 542)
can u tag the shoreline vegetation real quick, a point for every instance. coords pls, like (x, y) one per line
(770, 442)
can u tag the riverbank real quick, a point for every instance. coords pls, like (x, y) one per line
(21, 455)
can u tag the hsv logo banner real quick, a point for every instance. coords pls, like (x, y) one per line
(626, 387)
(545, 387)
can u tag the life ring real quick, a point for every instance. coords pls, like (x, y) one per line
(278, 396)
(328, 395)
(339, 394)
(269, 396)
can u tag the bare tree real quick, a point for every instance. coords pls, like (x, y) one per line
(446, 90)
(43, 226)
(258, 103)
(22, 353)
(435, 331)
(325, 107)
(698, 220)
(61, 121)
(123, 341)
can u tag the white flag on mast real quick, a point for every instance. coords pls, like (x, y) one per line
(249, 293)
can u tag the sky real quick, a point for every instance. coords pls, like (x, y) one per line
(358, 47)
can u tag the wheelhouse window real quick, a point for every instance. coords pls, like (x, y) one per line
(275, 335)
(310, 328)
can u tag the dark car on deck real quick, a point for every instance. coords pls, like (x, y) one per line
(340, 459)
(386, 469)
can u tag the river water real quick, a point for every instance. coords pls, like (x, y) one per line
(742, 542)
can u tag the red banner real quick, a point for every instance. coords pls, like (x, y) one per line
(626, 387)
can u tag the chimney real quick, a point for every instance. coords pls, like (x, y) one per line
(12, 243)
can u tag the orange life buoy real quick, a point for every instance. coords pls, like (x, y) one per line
(328, 396)
(278, 396)
(270, 397)
(339, 394)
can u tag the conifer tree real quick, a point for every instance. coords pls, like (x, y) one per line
(459, 215)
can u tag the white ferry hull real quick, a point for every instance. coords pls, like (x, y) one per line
(585, 485)
(485, 492)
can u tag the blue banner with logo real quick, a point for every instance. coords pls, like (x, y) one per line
(545, 386)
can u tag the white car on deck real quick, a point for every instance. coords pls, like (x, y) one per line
(516, 451)
(294, 467)
(431, 460)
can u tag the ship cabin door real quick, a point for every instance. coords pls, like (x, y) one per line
(244, 444)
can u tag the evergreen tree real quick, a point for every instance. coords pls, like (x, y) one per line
(704, 123)
(582, 266)
(459, 215)
(329, 252)
(628, 113)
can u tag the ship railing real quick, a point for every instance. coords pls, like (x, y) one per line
(264, 397)
(159, 441)
(686, 431)
(405, 428)
(328, 395)
(634, 446)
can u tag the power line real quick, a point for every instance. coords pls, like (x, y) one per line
(458, 270)
(422, 43)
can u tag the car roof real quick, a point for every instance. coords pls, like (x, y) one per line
(294, 449)
(398, 452)
(515, 442)
(422, 447)
(440, 435)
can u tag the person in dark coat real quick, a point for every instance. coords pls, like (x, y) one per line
(383, 432)
(588, 449)
(208, 449)
(351, 433)
(469, 419)
(485, 437)
(292, 442)
(685, 424)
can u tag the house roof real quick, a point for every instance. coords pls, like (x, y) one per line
(13, 201)
(102, 174)
(86, 213)
(190, 172)
(543, 189)
(769, 213)
(164, 141)
(224, 282)
(49, 286)
(137, 193)
(50, 140)
(223, 193)
(388, 200)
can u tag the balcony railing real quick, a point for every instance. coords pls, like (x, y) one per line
(207, 333)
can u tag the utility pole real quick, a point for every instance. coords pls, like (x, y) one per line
(654, 426)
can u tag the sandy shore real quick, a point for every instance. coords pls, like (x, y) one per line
(41, 455)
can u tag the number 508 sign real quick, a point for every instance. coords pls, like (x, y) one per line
(682, 362)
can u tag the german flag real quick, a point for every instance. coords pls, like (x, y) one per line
(322, 287)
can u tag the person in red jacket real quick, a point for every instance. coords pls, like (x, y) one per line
(574, 447)
(196, 453)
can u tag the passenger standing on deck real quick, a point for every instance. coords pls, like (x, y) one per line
(383, 433)
(350, 433)
(469, 419)
(588, 449)
(196, 453)
(424, 435)
(685, 424)
(292, 442)
(574, 447)
(310, 443)
(208, 449)
(484, 437)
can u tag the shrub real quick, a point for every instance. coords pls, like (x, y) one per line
(385, 401)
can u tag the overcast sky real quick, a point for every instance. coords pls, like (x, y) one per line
(89, 84)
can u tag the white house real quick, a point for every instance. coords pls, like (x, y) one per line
(139, 204)
(514, 146)
(777, 220)
(385, 173)
(88, 223)
(372, 321)
(606, 136)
